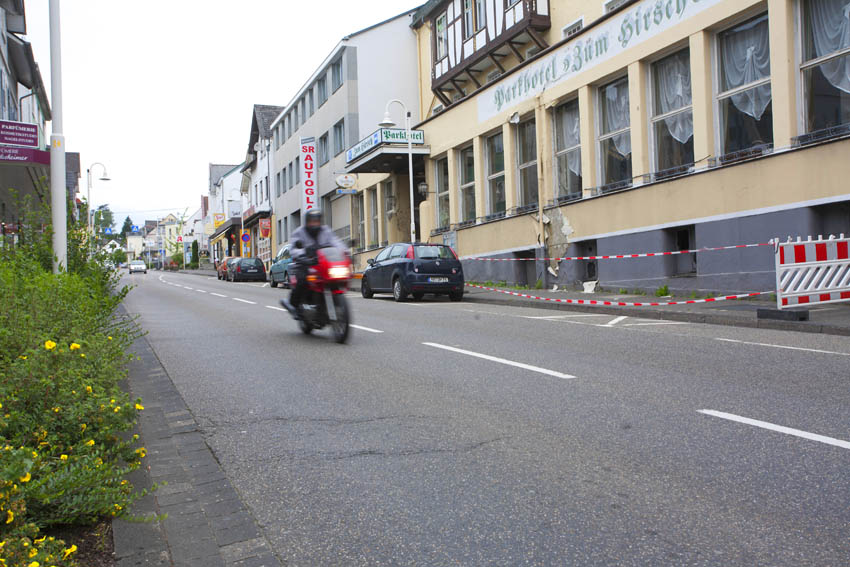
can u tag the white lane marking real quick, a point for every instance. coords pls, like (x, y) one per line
(502, 361)
(366, 329)
(217, 294)
(655, 323)
(552, 317)
(278, 308)
(779, 428)
(244, 301)
(266, 284)
(187, 287)
(785, 347)
(614, 321)
(200, 291)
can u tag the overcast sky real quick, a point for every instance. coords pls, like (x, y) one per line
(157, 90)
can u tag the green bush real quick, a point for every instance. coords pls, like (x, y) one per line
(63, 352)
(662, 291)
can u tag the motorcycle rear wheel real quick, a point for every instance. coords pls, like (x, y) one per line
(306, 327)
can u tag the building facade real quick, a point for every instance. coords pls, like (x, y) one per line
(225, 203)
(339, 105)
(585, 128)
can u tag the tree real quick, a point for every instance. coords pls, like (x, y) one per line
(196, 257)
(119, 256)
(126, 228)
(102, 220)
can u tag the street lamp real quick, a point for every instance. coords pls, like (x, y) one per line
(89, 214)
(387, 122)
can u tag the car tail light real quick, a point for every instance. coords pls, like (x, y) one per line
(238, 268)
(410, 252)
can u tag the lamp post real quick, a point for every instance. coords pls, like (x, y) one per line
(58, 192)
(90, 213)
(387, 122)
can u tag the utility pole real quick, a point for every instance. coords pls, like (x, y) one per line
(58, 193)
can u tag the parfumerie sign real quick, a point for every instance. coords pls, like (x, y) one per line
(18, 134)
(309, 191)
(634, 26)
(383, 136)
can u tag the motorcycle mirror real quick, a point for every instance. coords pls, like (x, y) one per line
(299, 244)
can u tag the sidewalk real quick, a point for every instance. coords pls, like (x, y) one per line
(207, 525)
(833, 318)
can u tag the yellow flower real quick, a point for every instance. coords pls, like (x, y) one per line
(82, 355)
(139, 407)
(10, 517)
(117, 508)
(34, 455)
(109, 338)
(124, 482)
(34, 564)
(33, 552)
(49, 345)
(112, 401)
(69, 551)
(117, 409)
(41, 539)
(141, 452)
(63, 457)
(90, 442)
(55, 410)
(23, 357)
(98, 461)
(88, 389)
(74, 346)
(1, 406)
(83, 426)
(26, 477)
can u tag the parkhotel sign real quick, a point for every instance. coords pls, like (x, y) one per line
(634, 26)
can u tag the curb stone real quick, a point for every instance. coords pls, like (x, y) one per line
(204, 521)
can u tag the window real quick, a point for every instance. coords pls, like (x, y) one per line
(276, 139)
(509, 3)
(615, 142)
(826, 67)
(324, 150)
(527, 162)
(745, 109)
(493, 75)
(279, 232)
(442, 36)
(322, 87)
(288, 126)
(480, 15)
(442, 171)
(295, 122)
(612, 5)
(389, 205)
(568, 150)
(283, 180)
(672, 114)
(297, 170)
(474, 17)
(291, 177)
(310, 103)
(268, 189)
(373, 216)
(359, 235)
(467, 184)
(573, 28)
(303, 111)
(339, 137)
(277, 184)
(336, 74)
(496, 175)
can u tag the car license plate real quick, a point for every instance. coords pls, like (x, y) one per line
(438, 280)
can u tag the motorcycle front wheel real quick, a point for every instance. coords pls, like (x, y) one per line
(340, 325)
(306, 327)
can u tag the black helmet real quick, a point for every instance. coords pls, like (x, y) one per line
(313, 214)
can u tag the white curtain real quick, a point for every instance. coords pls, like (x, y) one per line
(830, 28)
(617, 115)
(570, 134)
(673, 91)
(746, 59)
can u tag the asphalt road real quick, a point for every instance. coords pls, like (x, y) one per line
(466, 434)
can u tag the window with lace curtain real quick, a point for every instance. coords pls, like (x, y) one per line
(467, 184)
(826, 63)
(615, 141)
(442, 173)
(672, 114)
(568, 150)
(744, 100)
(527, 162)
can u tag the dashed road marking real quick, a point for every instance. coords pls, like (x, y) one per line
(502, 361)
(614, 321)
(275, 308)
(200, 291)
(244, 301)
(367, 329)
(779, 428)
(785, 347)
(217, 294)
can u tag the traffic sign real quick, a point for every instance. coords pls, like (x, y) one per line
(134, 228)
(179, 239)
(346, 181)
(107, 230)
(246, 237)
(346, 191)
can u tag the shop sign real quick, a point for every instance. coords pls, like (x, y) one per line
(218, 219)
(383, 136)
(346, 181)
(310, 189)
(632, 27)
(265, 227)
(249, 211)
(18, 133)
(24, 155)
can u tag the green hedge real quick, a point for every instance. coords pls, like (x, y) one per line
(64, 450)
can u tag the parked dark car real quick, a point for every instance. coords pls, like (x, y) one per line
(414, 269)
(246, 269)
(279, 271)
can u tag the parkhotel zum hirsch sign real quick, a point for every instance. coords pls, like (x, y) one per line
(383, 136)
(309, 195)
(599, 44)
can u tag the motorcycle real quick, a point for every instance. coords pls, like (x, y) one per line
(324, 300)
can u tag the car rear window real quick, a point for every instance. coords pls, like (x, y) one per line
(256, 262)
(434, 252)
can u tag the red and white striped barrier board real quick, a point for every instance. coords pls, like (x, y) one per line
(622, 303)
(812, 272)
(622, 256)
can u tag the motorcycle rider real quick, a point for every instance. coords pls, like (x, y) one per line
(307, 239)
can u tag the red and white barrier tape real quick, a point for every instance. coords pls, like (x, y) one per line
(621, 256)
(622, 303)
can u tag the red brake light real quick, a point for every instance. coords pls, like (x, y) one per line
(239, 268)
(410, 252)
